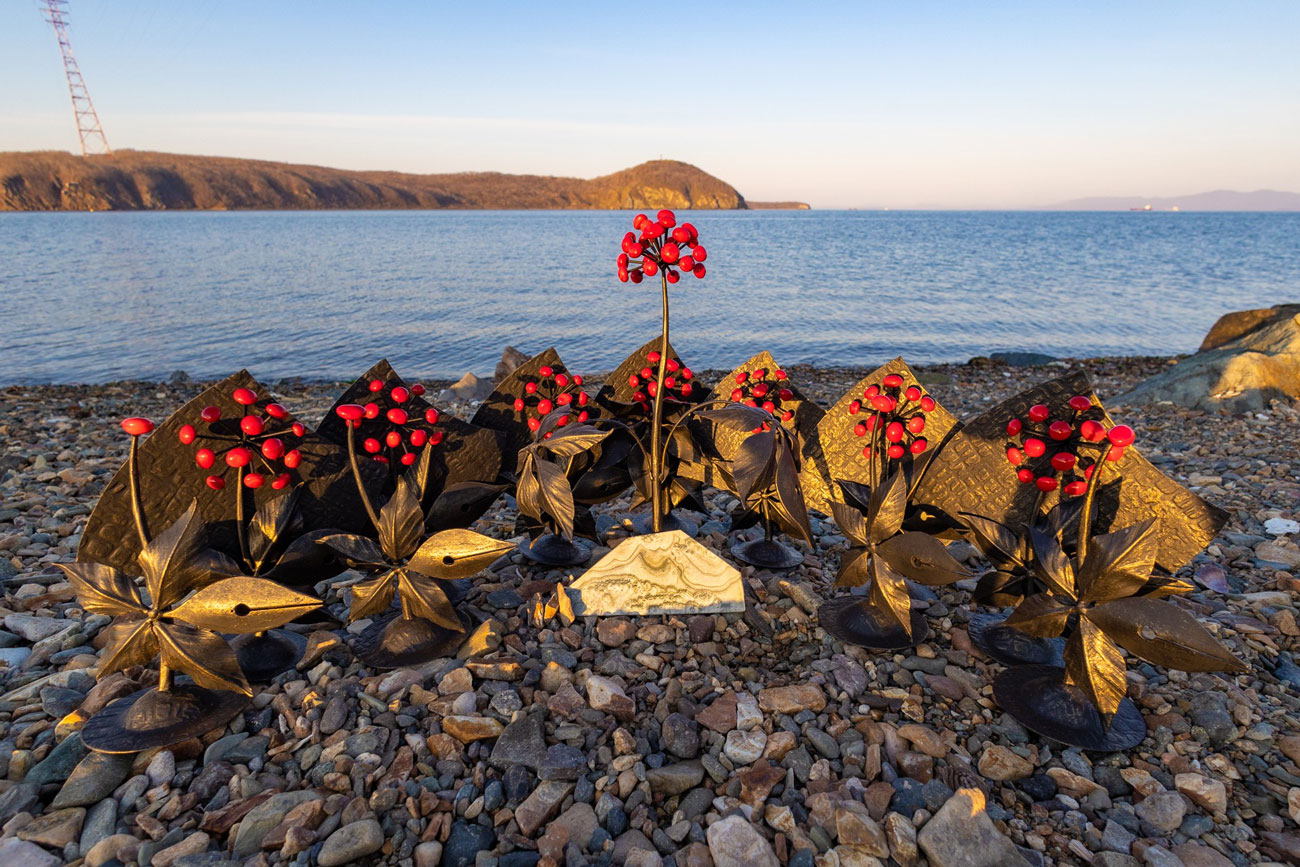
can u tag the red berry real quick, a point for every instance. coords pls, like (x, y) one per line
(918, 445)
(534, 424)
(670, 253)
(893, 380)
(894, 432)
(292, 458)
(519, 404)
(376, 385)
(372, 410)
(371, 445)
(635, 250)
(561, 380)
(670, 382)
(408, 459)
(1087, 471)
(871, 391)
(273, 448)
(216, 483)
(545, 371)
(698, 271)
(680, 235)
(913, 393)
(298, 429)
(276, 411)
(251, 425)
(1115, 454)
(187, 433)
(244, 396)
(1025, 475)
(884, 403)
(760, 373)
(1079, 403)
(1075, 489)
(761, 389)
(870, 422)
(673, 365)
(397, 416)
(280, 482)
(350, 412)
(686, 263)
(400, 395)
(785, 394)
(1059, 430)
(564, 399)
(927, 404)
(205, 458)
(431, 415)
(769, 406)
(916, 424)
(530, 388)
(639, 220)
(435, 438)
(1014, 426)
(419, 437)
(545, 406)
(136, 426)
(742, 377)
(210, 414)
(392, 439)
(667, 218)
(1046, 484)
(673, 276)
(1035, 447)
(855, 407)
(1092, 431)
(1063, 462)
(1038, 412)
(254, 480)
(1015, 456)
(647, 373)
(634, 381)
(650, 267)
(896, 451)
(1120, 436)
(860, 429)
(698, 254)
(239, 457)
(623, 274)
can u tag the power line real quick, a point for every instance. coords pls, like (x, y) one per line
(89, 129)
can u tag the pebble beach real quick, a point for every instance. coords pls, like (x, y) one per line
(752, 739)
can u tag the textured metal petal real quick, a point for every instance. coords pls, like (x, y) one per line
(131, 641)
(923, 558)
(243, 604)
(1094, 664)
(995, 539)
(372, 597)
(1040, 615)
(557, 496)
(203, 655)
(424, 598)
(1052, 565)
(457, 554)
(851, 522)
(275, 520)
(169, 561)
(103, 590)
(854, 568)
(889, 593)
(888, 507)
(401, 522)
(1161, 632)
(356, 550)
(1119, 563)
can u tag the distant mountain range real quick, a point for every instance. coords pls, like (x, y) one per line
(143, 180)
(1216, 200)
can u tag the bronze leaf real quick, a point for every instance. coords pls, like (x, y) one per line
(1040, 615)
(751, 469)
(243, 604)
(888, 507)
(923, 558)
(1052, 565)
(461, 504)
(995, 539)
(851, 523)
(372, 597)
(424, 598)
(102, 589)
(574, 440)
(457, 554)
(131, 641)
(203, 655)
(1161, 632)
(1094, 664)
(792, 511)
(557, 496)
(168, 562)
(889, 594)
(1119, 563)
(401, 521)
(358, 551)
(269, 524)
(854, 567)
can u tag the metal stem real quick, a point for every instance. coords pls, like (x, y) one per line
(240, 530)
(137, 507)
(656, 461)
(1085, 519)
(164, 677)
(356, 476)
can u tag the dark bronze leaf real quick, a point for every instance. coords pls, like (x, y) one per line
(1161, 632)
(1164, 585)
(922, 558)
(1001, 588)
(269, 525)
(751, 469)
(557, 496)
(424, 598)
(851, 523)
(203, 655)
(854, 568)
(571, 441)
(737, 416)
(372, 598)
(995, 539)
(357, 551)
(888, 506)
(401, 522)
(306, 561)
(168, 561)
(791, 510)
(1094, 664)
(1041, 615)
(457, 554)
(856, 494)
(131, 641)
(103, 590)
(461, 504)
(1119, 563)
(243, 604)
(889, 594)
(528, 490)
(1052, 565)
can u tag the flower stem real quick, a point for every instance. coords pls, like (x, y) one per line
(137, 507)
(240, 530)
(164, 677)
(356, 476)
(656, 460)
(1085, 519)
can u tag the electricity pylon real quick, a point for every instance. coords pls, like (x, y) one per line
(89, 130)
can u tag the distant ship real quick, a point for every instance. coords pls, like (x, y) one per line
(1148, 208)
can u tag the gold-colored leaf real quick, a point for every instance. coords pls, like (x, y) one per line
(564, 605)
(1161, 632)
(131, 641)
(1052, 565)
(168, 562)
(457, 554)
(888, 507)
(889, 593)
(243, 604)
(271, 522)
(103, 590)
(854, 570)
(851, 522)
(1041, 615)
(401, 521)
(922, 558)
(1119, 563)
(372, 597)
(203, 655)
(1094, 664)
(424, 598)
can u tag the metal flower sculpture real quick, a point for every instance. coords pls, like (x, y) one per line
(883, 557)
(406, 565)
(188, 604)
(666, 249)
(532, 391)
(544, 490)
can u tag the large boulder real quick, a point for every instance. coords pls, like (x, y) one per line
(1248, 359)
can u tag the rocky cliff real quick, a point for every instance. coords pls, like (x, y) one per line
(141, 180)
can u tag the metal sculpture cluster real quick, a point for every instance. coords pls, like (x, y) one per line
(1083, 533)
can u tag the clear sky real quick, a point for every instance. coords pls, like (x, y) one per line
(838, 104)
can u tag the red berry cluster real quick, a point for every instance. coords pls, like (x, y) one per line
(1045, 447)
(756, 389)
(897, 412)
(402, 437)
(662, 245)
(645, 382)
(260, 443)
(551, 390)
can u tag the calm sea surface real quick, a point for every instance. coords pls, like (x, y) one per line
(98, 297)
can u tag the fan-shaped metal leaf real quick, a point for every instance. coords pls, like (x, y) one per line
(1094, 664)
(457, 554)
(102, 589)
(370, 598)
(851, 522)
(243, 604)
(424, 598)
(401, 522)
(557, 496)
(270, 524)
(1041, 615)
(1119, 563)
(889, 594)
(752, 468)
(888, 506)
(168, 562)
(461, 504)
(856, 494)
(355, 550)
(528, 491)
(1052, 565)
(923, 558)
(1162, 633)
(131, 641)
(203, 655)
(995, 539)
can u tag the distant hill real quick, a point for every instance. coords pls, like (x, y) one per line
(1216, 200)
(143, 180)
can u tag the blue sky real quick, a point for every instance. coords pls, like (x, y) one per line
(841, 105)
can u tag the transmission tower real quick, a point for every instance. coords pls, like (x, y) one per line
(89, 130)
